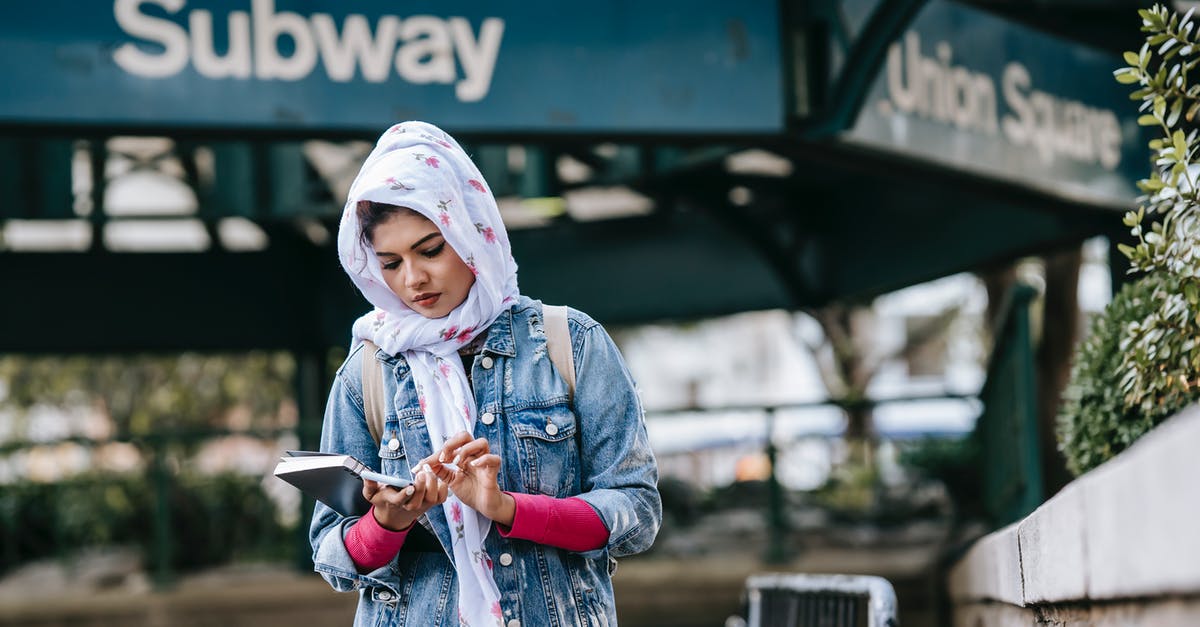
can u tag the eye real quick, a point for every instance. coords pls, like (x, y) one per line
(435, 251)
(392, 266)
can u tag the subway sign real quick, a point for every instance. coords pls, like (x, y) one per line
(964, 88)
(671, 66)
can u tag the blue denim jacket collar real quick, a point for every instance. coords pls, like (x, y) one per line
(500, 336)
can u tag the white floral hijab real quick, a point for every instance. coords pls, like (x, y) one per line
(418, 166)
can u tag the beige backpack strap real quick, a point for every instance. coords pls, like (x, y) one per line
(558, 344)
(372, 387)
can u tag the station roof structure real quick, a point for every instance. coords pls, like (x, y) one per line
(171, 171)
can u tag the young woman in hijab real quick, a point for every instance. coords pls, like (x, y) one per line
(522, 493)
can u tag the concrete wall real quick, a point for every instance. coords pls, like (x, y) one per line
(1118, 546)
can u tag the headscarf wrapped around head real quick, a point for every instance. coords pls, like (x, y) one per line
(418, 166)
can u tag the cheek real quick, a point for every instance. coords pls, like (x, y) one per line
(392, 279)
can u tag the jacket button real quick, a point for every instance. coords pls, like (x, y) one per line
(487, 418)
(486, 362)
(384, 595)
(551, 428)
(505, 559)
(394, 444)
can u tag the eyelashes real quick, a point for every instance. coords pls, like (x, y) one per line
(428, 254)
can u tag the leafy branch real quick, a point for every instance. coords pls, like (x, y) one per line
(1161, 351)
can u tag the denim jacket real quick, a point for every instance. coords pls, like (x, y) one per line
(594, 448)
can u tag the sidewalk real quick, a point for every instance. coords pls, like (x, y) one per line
(651, 592)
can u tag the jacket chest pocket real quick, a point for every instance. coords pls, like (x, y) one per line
(392, 456)
(547, 450)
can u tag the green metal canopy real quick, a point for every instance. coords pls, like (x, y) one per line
(677, 161)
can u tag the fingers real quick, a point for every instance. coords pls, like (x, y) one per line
(486, 462)
(370, 488)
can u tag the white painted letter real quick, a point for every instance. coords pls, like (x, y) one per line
(1015, 79)
(427, 55)
(268, 26)
(356, 46)
(478, 59)
(166, 33)
(1108, 139)
(236, 62)
(903, 97)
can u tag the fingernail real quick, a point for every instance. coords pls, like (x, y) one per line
(442, 457)
(457, 459)
(409, 490)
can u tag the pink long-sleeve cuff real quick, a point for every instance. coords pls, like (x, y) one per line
(569, 523)
(370, 545)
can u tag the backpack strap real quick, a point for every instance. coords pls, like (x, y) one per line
(558, 344)
(372, 387)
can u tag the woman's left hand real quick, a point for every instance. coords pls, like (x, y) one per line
(470, 469)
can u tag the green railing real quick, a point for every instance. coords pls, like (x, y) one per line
(1007, 433)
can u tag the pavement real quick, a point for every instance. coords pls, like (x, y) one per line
(652, 591)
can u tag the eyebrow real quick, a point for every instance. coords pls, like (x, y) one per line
(414, 246)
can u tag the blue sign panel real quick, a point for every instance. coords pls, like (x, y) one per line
(669, 66)
(966, 89)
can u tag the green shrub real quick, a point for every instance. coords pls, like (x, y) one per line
(1095, 421)
(214, 519)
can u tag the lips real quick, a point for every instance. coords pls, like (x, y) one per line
(428, 299)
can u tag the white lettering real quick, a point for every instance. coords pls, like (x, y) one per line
(427, 55)
(356, 45)
(422, 48)
(166, 33)
(478, 59)
(269, 26)
(1014, 81)
(1057, 126)
(236, 62)
(934, 88)
(938, 90)
(1108, 139)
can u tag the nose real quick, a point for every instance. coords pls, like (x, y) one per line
(415, 276)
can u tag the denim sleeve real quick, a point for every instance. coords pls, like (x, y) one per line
(345, 431)
(619, 474)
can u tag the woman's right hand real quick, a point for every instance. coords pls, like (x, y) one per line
(396, 509)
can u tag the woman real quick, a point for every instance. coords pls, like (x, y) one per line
(522, 494)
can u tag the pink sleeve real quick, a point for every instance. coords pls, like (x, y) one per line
(370, 545)
(569, 524)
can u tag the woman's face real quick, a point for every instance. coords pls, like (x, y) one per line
(419, 266)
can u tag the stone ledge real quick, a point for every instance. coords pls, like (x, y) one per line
(1125, 530)
(990, 571)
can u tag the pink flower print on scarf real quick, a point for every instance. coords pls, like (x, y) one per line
(449, 333)
(444, 208)
(432, 162)
(465, 334)
(470, 261)
(478, 186)
(398, 128)
(456, 512)
(496, 611)
(444, 368)
(488, 233)
(379, 317)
